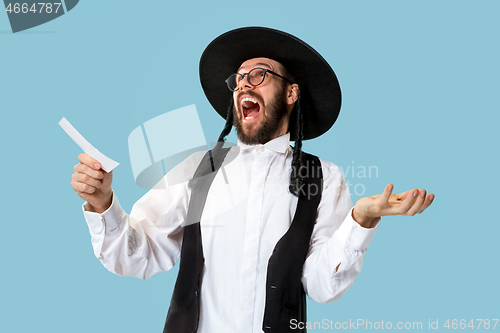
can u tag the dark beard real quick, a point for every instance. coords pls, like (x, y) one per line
(276, 111)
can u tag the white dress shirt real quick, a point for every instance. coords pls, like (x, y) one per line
(248, 209)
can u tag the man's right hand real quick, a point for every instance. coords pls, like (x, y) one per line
(92, 183)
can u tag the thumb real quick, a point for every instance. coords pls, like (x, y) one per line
(384, 198)
(107, 180)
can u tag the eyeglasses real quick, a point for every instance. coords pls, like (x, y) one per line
(255, 77)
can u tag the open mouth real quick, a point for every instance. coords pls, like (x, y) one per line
(250, 108)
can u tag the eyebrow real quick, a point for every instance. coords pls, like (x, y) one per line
(257, 64)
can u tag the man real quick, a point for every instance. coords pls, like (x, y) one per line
(266, 234)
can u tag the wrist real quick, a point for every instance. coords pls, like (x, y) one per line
(104, 204)
(362, 218)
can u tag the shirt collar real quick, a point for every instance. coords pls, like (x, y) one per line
(279, 144)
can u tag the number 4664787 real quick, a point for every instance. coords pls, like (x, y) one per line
(36, 8)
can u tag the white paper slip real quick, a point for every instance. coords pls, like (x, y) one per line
(107, 164)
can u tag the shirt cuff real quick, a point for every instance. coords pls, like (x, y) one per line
(360, 238)
(107, 221)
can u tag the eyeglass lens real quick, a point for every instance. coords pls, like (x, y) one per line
(254, 77)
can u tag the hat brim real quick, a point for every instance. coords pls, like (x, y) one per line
(320, 90)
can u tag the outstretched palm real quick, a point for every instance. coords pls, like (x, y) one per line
(407, 203)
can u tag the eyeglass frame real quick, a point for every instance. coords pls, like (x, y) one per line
(265, 70)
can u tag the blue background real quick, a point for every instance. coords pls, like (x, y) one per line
(420, 82)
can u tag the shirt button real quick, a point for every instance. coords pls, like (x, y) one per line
(262, 148)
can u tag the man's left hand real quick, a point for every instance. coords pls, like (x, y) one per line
(412, 202)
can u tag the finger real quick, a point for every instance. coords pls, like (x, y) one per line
(82, 187)
(428, 200)
(86, 179)
(384, 198)
(407, 202)
(399, 196)
(89, 161)
(83, 168)
(417, 204)
(396, 199)
(85, 196)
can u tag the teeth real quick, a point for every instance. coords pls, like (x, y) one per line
(250, 117)
(249, 99)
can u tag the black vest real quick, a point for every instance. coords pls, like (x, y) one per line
(285, 296)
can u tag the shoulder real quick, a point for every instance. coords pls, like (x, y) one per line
(184, 171)
(332, 175)
(329, 169)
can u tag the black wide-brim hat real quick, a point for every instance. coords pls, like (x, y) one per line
(319, 88)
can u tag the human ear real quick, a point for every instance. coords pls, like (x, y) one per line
(293, 93)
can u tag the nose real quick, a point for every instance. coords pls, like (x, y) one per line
(244, 84)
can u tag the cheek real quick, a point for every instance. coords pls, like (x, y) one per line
(272, 95)
(235, 101)
(236, 113)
